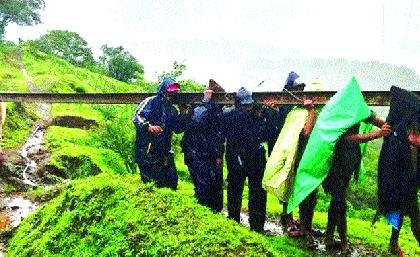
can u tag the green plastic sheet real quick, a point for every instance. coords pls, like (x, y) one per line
(345, 109)
(279, 171)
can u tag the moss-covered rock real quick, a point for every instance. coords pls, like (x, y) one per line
(110, 215)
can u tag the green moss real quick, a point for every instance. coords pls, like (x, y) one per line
(75, 154)
(75, 161)
(113, 215)
(54, 138)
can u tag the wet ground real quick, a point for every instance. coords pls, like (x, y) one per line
(274, 228)
(22, 170)
(13, 209)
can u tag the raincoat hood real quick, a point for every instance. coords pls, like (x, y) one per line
(244, 96)
(163, 86)
(291, 81)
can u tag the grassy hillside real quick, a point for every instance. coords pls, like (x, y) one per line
(113, 213)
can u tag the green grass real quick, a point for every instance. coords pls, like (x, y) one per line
(11, 78)
(75, 154)
(18, 123)
(85, 111)
(110, 214)
(114, 215)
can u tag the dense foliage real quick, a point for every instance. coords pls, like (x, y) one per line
(67, 45)
(120, 64)
(19, 12)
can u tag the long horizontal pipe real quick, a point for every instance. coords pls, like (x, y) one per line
(373, 98)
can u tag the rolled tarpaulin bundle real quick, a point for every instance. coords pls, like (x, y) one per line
(279, 170)
(398, 178)
(345, 109)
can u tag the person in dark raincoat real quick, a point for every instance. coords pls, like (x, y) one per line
(346, 161)
(398, 166)
(156, 119)
(245, 130)
(203, 151)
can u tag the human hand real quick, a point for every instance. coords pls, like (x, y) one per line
(385, 129)
(308, 104)
(414, 138)
(219, 162)
(208, 94)
(155, 130)
(269, 102)
(183, 108)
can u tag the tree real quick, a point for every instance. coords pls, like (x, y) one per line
(120, 64)
(21, 12)
(178, 69)
(67, 45)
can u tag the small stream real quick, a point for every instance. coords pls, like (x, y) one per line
(14, 208)
(30, 153)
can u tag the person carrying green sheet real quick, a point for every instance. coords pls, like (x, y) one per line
(282, 164)
(345, 162)
(335, 125)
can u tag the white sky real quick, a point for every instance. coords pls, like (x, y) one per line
(227, 40)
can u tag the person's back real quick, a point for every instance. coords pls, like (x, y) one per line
(243, 127)
(203, 135)
(203, 153)
(243, 133)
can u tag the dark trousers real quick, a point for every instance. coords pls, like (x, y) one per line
(306, 211)
(257, 195)
(337, 215)
(159, 169)
(208, 183)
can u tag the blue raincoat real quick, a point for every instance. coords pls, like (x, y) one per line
(153, 152)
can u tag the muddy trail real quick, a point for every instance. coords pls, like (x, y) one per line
(273, 228)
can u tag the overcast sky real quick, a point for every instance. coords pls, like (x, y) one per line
(227, 40)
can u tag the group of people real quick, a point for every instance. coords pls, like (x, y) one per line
(238, 132)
